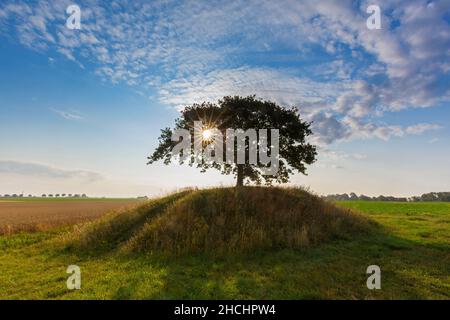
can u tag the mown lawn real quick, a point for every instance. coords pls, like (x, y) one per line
(412, 250)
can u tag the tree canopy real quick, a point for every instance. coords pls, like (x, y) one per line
(245, 113)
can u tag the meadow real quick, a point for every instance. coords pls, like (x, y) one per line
(411, 244)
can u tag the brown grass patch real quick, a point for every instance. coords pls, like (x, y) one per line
(45, 215)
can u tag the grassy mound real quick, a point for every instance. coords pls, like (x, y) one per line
(224, 220)
(112, 231)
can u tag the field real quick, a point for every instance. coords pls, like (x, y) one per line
(412, 248)
(40, 214)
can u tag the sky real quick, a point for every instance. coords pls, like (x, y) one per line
(81, 109)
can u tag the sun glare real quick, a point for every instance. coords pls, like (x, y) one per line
(207, 134)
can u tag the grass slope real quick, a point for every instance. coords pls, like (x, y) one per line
(415, 265)
(230, 220)
(222, 220)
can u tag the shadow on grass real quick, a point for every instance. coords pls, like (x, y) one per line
(336, 270)
(330, 271)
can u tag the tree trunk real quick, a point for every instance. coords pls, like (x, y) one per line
(240, 175)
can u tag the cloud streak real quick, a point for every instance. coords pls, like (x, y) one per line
(41, 170)
(68, 115)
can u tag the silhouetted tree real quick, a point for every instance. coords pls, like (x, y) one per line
(246, 113)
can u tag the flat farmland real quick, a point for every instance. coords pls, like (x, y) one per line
(40, 214)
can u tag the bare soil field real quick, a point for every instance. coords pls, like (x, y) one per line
(17, 216)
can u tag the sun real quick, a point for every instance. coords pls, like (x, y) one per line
(207, 134)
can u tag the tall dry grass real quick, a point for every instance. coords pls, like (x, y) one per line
(117, 227)
(233, 220)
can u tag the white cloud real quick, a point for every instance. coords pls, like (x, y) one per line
(328, 129)
(433, 140)
(42, 170)
(340, 155)
(421, 127)
(266, 83)
(361, 129)
(190, 51)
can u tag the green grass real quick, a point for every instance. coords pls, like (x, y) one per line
(426, 223)
(407, 208)
(412, 248)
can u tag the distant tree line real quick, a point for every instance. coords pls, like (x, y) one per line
(50, 195)
(431, 196)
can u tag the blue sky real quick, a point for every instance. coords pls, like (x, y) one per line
(81, 109)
